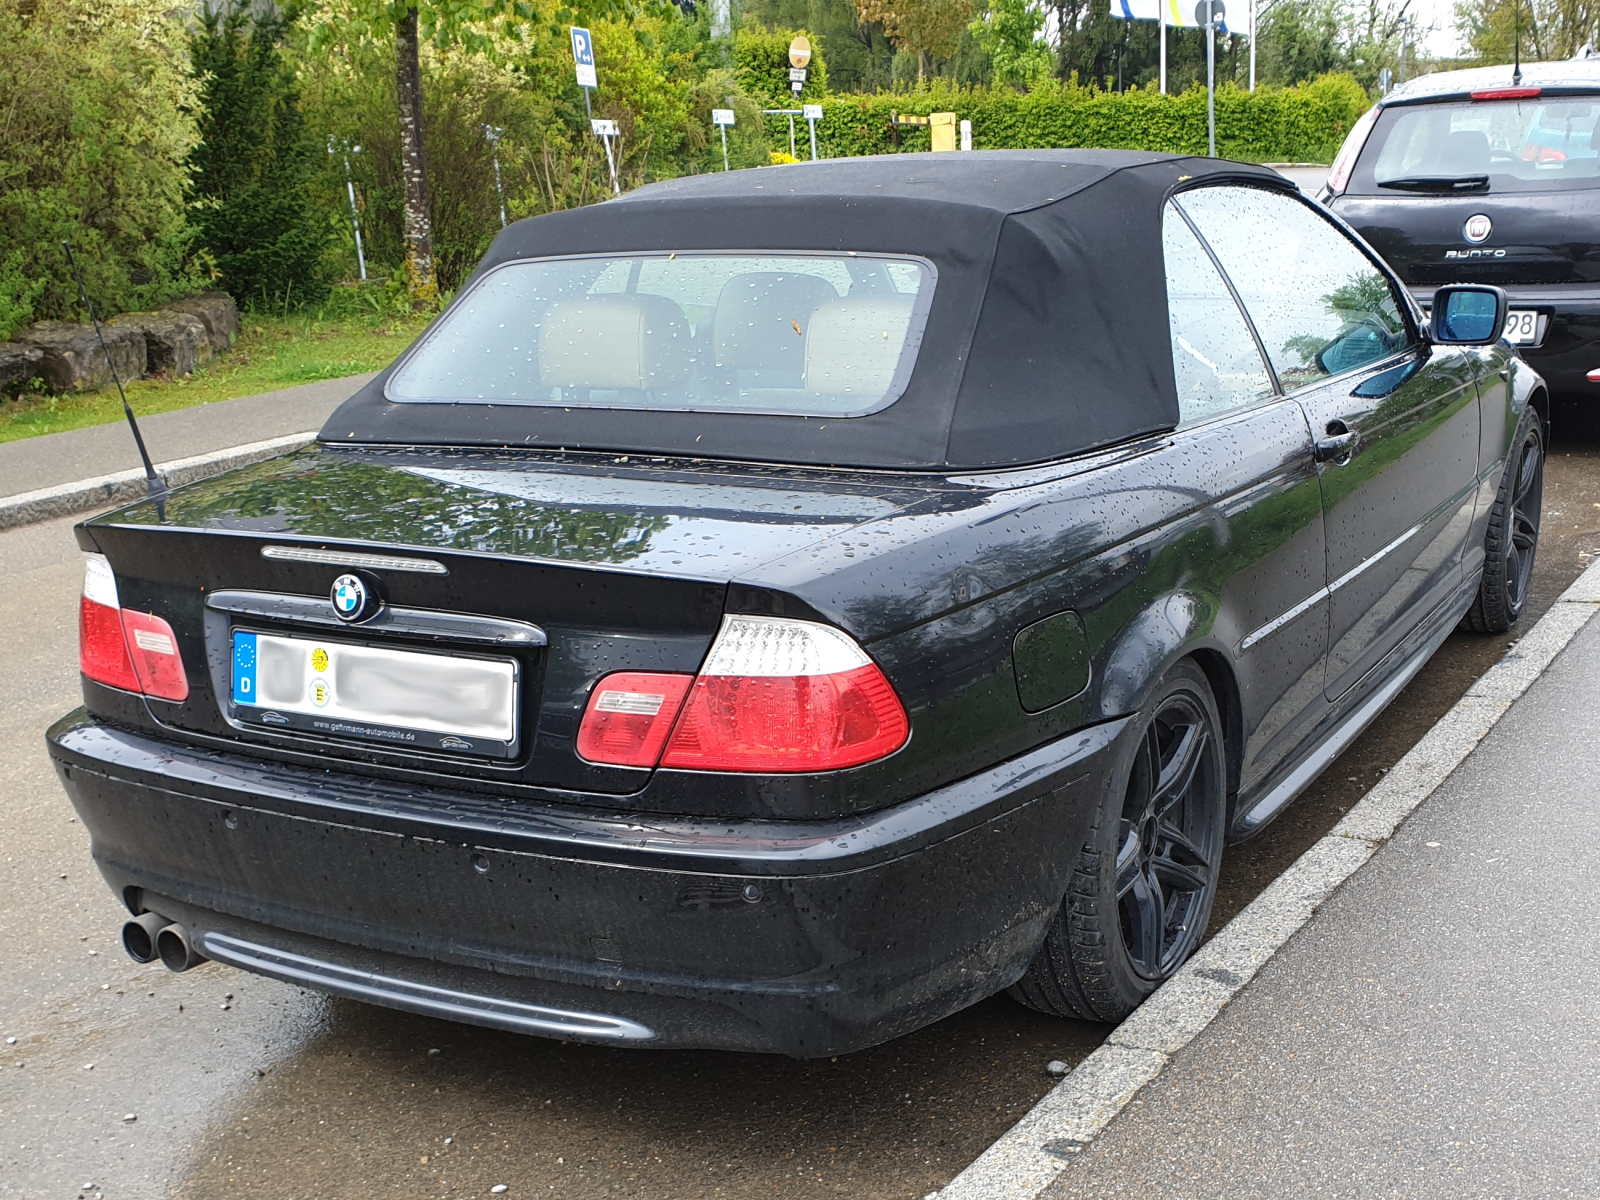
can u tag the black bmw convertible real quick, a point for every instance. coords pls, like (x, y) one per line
(778, 609)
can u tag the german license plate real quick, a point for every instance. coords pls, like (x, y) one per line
(1522, 326)
(403, 698)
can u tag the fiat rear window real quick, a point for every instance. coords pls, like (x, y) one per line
(800, 334)
(1536, 145)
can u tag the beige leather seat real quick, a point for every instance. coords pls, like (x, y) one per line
(615, 343)
(854, 345)
(759, 326)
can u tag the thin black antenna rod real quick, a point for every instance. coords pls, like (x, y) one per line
(157, 485)
(1516, 45)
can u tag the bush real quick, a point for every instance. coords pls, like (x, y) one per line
(1300, 124)
(95, 95)
(253, 165)
(761, 67)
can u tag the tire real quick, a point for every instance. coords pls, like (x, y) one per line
(1141, 892)
(1512, 538)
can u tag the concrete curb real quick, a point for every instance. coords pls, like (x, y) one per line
(26, 508)
(1029, 1156)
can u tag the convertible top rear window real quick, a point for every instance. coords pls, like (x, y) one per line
(800, 334)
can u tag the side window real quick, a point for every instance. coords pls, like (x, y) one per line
(1214, 357)
(1317, 301)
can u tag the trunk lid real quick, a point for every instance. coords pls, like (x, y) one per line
(1535, 238)
(619, 563)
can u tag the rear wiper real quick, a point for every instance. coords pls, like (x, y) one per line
(1438, 183)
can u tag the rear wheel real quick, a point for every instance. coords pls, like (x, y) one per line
(1141, 893)
(1513, 533)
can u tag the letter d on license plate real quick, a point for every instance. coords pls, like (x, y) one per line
(404, 698)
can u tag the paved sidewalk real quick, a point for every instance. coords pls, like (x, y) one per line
(1434, 1030)
(63, 458)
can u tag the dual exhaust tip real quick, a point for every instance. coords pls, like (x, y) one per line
(151, 936)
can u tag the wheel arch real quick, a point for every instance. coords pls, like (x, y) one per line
(1230, 707)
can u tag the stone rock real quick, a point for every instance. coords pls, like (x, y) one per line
(175, 342)
(73, 360)
(18, 365)
(217, 312)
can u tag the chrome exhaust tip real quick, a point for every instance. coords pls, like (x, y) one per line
(139, 936)
(176, 951)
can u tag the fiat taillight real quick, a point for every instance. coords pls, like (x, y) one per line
(774, 695)
(1345, 161)
(134, 651)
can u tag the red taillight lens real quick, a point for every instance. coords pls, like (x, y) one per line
(1344, 162)
(629, 717)
(134, 651)
(154, 649)
(102, 654)
(796, 723)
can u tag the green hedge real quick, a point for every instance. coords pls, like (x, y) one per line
(1301, 124)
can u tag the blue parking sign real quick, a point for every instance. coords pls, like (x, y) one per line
(583, 57)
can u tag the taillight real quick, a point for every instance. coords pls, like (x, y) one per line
(1344, 162)
(134, 651)
(1510, 93)
(777, 695)
(774, 695)
(629, 717)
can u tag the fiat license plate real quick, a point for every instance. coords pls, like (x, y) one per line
(403, 698)
(1522, 327)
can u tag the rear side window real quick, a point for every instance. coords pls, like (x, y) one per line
(1319, 303)
(1214, 358)
(1513, 145)
(802, 334)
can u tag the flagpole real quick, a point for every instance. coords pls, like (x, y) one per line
(1252, 45)
(1162, 9)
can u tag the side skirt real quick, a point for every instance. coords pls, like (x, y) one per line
(1401, 666)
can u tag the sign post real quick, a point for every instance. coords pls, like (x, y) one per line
(346, 149)
(799, 59)
(583, 67)
(722, 118)
(813, 114)
(1210, 13)
(492, 134)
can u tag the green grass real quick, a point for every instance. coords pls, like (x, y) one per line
(270, 353)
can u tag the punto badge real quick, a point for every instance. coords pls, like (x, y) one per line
(349, 598)
(1478, 228)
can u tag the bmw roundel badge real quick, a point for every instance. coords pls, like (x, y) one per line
(350, 598)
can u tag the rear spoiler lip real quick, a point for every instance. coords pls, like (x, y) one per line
(1545, 89)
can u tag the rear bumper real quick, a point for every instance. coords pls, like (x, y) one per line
(1570, 346)
(806, 939)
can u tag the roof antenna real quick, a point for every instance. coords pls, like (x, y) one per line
(1516, 46)
(156, 485)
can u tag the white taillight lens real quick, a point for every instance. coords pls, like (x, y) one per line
(134, 651)
(777, 695)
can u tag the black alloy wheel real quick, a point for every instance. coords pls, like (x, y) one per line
(1512, 538)
(1141, 892)
(1168, 838)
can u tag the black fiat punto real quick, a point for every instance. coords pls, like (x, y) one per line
(775, 610)
(1491, 175)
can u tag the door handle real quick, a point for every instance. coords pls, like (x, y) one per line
(1337, 446)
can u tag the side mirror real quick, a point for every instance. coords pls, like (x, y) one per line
(1468, 315)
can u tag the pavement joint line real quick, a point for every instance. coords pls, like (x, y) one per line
(104, 491)
(1060, 1127)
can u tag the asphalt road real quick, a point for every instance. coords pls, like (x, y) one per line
(240, 1086)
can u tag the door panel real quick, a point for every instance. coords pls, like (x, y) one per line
(1396, 422)
(1398, 507)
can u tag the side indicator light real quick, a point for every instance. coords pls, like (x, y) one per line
(133, 651)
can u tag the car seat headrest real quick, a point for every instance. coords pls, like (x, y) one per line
(638, 342)
(854, 345)
(761, 317)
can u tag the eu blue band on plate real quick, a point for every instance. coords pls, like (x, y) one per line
(244, 668)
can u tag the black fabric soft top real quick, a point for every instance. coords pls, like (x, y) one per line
(1047, 335)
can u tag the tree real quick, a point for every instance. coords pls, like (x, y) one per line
(476, 25)
(1544, 29)
(1299, 40)
(253, 166)
(1009, 33)
(928, 28)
